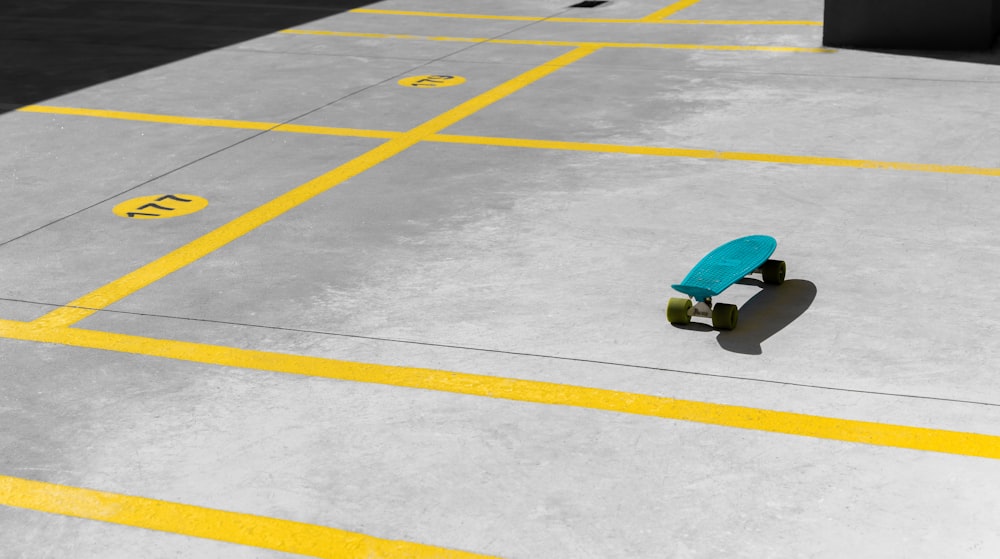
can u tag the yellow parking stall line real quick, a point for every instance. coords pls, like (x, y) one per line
(643, 21)
(148, 117)
(536, 144)
(670, 10)
(413, 13)
(334, 131)
(212, 524)
(572, 146)
(682, 46)
(206, 244)
(549, 43)
(208, 122)
(369, 35)
(859, 163)
(719, 155)
(787, 423)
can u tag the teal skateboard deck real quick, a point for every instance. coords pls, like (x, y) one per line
(720, 269)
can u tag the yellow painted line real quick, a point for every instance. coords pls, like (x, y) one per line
(360, 35)
(542, 144)
(134, 281)
(583, 19)
(208, 122)
(720, 155)
(212, 524)
(576, 44)
(845, 430)
(333, 131)
(677, 46)
(443, 14)
(859, 163)
(146, 117)
(670, 10)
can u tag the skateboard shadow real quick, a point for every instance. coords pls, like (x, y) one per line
(766, 314)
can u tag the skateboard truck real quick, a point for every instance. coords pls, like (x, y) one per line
(723, 315)
(702, 309)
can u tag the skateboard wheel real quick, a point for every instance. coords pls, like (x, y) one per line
(677, 311)
(773, 272)
(725, 316)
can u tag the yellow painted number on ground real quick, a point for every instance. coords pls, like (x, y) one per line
(159, 206)
(431, 81)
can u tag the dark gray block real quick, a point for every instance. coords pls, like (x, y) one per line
(910, 24)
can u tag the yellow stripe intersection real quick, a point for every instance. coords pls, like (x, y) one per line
(785, 159)
(154, 271)
(544, 43)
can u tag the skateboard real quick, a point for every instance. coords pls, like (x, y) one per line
(718, 270)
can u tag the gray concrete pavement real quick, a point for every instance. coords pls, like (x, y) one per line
(534, 238)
